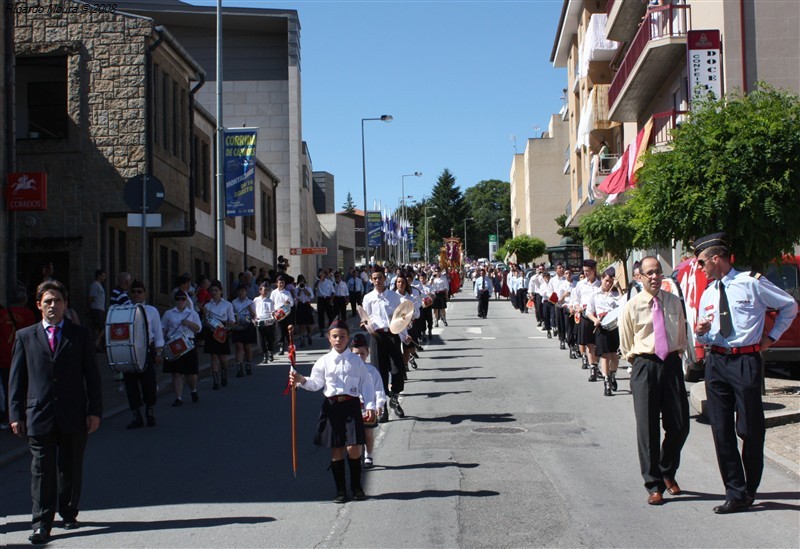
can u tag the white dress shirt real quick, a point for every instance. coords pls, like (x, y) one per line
(264, 308)
(380, 307)
(325, 288)
(342, 374)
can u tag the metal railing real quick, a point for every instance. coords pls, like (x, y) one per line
(662, 22)
(664, 123)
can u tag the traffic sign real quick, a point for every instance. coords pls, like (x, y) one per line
(151, 220)
(133, 193)
(308, 251)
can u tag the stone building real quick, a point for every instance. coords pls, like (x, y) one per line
(101, 98)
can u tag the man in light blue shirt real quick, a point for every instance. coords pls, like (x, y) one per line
(731, 323)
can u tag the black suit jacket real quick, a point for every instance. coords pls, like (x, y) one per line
(54, 392)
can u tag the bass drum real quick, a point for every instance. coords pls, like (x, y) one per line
(126, 338)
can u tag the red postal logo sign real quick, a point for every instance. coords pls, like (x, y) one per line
(26, 191)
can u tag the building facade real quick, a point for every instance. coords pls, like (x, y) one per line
(102, 98)
(540, 184)
(261, 89)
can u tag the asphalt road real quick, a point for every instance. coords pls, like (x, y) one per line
(505, 444)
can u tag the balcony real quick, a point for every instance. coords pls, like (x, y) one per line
(664, 123)
(659, 46)
(624, 17)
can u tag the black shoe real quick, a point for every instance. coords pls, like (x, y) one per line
(613, 382)
(607, 388)
(384, 417)
(71, 524)
(266, 359)
(584, 362)
(137, 422)
(413, 363)
(399, 411)
(549, 334)
(593, 373)
(562, 346)
(359, 495)
(445, 322)
(195, 396)
(224, 378)
(240, 371)
(732, 506)
(248, 369)
(151, 417)
(177, 402)
(340, 497)
(39, 536)
(271, 357)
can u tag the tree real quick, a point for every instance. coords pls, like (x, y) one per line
(734, 166)
(487, 201)
(349, 206)
(526, 247)
(609, 230)
(447, 204)
(572, 232)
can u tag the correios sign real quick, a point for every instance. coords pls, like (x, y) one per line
(26, 191)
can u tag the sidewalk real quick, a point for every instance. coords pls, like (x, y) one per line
(115, 402)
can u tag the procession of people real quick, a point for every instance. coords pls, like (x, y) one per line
(363, 375)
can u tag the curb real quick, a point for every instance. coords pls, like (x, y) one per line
(697, 400)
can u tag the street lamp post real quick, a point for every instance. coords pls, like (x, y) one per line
(403, 208)
(497, 232)
(383, 118)
(427, 255)
(465, 234)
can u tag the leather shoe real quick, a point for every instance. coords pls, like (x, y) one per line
(732, 506)
(655, 498)
(39, 536)
(71, 524)
(672, 487)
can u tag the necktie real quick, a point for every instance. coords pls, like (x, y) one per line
(659, 330)
(725, 321)
(52, 338)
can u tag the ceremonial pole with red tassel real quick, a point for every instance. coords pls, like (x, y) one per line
(290, 388)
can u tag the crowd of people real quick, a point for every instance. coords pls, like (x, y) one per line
(363, 377)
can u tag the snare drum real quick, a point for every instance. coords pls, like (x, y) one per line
(427, 301)
(177, 346)
(217, 328)
(243, 321)
(281, 313)
(126, 338)
(609, 321)
(264, 322)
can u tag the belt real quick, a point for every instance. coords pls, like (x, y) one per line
(747, 350)
(340, 398)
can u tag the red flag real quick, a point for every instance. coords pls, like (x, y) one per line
(623, 174)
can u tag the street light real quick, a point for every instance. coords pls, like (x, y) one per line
(497, 233)
(403, 192)
(383, 118)
(427, 217)
(465, 234)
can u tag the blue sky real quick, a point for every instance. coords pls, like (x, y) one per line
(460, 78)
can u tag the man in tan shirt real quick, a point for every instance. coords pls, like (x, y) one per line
(652, 334)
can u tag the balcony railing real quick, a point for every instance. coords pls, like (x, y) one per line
(566, 161)
(662, 22)
(664, 123)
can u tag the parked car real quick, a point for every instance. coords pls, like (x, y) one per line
(693, 283)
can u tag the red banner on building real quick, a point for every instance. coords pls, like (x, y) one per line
(26, 191)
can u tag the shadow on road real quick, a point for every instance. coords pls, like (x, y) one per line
(455, 419)
(423, 494)
(431, 465)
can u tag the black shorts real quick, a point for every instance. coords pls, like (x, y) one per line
(607, 341)
(586, 332)
(340, 424)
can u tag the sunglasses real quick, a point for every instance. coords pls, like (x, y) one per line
(180, 298)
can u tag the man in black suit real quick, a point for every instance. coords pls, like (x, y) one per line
(55, 398)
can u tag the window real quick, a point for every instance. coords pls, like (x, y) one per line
(201, 269)
(177, 130)
(264, 216)
(163, 270)
(174, 265)
(158, 106)
(41, 90)
(201, 169)
(164, 101)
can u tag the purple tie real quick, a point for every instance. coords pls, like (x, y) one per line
(659, 331)
(52, 337)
